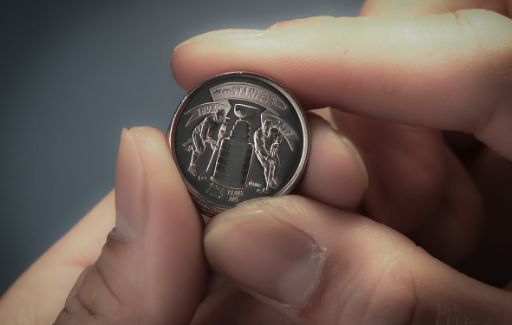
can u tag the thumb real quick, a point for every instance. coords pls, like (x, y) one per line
(449, 71)
(318, 265)
(151, 270)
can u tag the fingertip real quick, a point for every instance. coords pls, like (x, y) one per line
(163, 173)
(152, 146)
(335, 174)
(160, 275)
(180, 65)
(320, 265)
(265, 255)
(203, 56)
(131, 187)
(145, 135)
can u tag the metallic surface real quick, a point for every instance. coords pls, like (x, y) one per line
(236, 137)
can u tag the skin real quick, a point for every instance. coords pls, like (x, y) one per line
(389, 171)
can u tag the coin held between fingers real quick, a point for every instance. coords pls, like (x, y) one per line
(238, 136)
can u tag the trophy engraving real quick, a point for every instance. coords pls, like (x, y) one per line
(236, 152)
(222, 133)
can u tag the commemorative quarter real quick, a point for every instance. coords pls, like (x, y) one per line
(238, 136)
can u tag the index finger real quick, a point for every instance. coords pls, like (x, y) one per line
(428, 7)
(449, 71)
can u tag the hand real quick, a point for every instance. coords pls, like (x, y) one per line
(151, 270)
(407, 79)
(157, 239)
(213, 143)
(420, 194)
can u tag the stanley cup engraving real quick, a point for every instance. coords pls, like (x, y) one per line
(236, 152)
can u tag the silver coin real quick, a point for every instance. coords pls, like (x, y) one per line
(238, 136)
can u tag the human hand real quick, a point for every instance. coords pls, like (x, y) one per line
(212, 143)
(157, 239)
(151, 270)
(40, 293)
(408, 78)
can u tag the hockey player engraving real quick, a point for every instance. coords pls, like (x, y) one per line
(203, 135)
(222, 134)
(267, 140)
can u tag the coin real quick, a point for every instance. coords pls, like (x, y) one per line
(238, 136)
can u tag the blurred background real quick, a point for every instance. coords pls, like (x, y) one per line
(72, 75)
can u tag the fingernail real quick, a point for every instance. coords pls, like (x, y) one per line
(130, 190)
(336, 117)
(265, 256)
(227, 34)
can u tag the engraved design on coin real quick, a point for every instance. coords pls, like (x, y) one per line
(201, 136)
(227, 139)
(267, 140)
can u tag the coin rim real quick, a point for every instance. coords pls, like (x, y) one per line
(207, 208)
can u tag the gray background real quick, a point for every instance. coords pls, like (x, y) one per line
(72, 75)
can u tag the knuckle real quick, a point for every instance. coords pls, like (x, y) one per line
(92, 301)
(386, 291)
(392, 295)
(484, 29)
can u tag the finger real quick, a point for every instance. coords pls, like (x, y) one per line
(151, 270)
(41, 291)
(464, 145)
(326, 114)
(406, 170)
(428, 7)
(454, 230)
(451, 72)
(228, 305)
(417, 186)
(335, 173)
(319, 265)
(491, 262)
